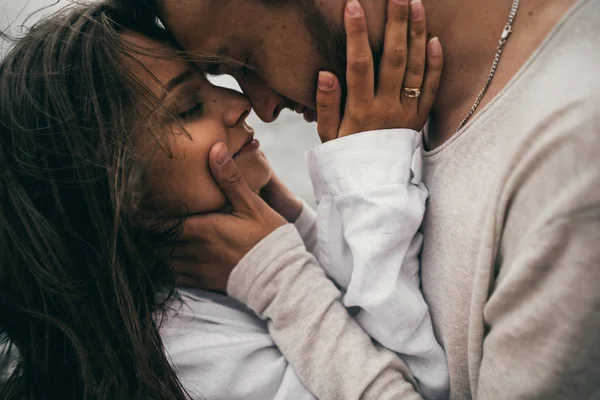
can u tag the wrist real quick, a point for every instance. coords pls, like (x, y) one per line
(282, 200)
(291, 209)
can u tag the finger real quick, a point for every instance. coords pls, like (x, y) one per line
(329, 97)
(230, 179)
(415, 65)
(360, 72)
(395, 50)
(433, 74)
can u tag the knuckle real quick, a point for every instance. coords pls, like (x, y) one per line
(397, 57)
(417, 31)
(436, 66)
(390, 114)
(416, 68)
(434, 89)
(361, 66)
(358, 28)
(400, 14)
(357, 118)
(234, 179)
(325, 105)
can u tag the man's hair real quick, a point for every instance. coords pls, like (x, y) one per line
(79, 272)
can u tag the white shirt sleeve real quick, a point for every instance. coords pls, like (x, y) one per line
(371, 204)
(220, 350)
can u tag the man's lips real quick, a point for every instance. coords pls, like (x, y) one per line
(309, 115)
(299, 108)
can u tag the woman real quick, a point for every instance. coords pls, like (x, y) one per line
(105, 137)
(79, 272)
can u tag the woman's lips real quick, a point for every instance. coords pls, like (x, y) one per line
(251, 145)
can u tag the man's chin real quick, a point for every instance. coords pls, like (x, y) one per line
(310, 115)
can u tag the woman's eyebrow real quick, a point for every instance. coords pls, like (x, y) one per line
(178, 80)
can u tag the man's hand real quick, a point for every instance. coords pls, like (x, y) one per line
(407, 62)
(211, 245)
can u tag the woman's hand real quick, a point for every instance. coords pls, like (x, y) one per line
(211, 245)
(409, 66)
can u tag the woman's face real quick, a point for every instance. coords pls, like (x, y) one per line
(199, 115)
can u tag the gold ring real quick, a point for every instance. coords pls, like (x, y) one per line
(413, 93)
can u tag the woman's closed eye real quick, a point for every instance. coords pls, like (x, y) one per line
(191, 111)
(245, 67)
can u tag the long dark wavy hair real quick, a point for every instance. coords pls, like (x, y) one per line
(82, 284)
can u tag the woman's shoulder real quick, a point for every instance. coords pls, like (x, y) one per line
(219, 348)
(192, 309)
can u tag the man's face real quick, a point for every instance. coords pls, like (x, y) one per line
(274, 49)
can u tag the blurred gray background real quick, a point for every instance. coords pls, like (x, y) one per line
(285, 141)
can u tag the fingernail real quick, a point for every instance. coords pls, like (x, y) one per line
(401, 2)
(354, 9)
(435, 47)
(417, 11)
(222, 154)
(325, 81)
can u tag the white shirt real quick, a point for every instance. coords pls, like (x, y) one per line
(221, 350)
(371, 203)
(368, 216)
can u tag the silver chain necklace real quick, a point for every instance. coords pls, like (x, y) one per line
(503, 39)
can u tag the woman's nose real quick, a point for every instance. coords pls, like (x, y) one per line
(237, 108)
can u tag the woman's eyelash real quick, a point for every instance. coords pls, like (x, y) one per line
(191, 112)
(246, 66)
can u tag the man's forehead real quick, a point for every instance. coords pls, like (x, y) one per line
(205, 11)
(215, 25)
(222, 48)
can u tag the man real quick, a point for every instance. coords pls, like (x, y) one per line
(511, 261)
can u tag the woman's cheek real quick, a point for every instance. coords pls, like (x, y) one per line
(200, 194)
(177, 188)
(190, 178)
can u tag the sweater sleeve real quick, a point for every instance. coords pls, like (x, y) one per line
(282, 283)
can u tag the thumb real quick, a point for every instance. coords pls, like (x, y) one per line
(329, 95)
(228, 177)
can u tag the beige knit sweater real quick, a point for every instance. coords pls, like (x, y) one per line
(511, 259)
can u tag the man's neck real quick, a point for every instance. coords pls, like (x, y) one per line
(469, 31)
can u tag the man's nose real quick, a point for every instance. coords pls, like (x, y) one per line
(267, 104)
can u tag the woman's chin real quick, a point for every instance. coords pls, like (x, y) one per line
(255, 169)
(260, 180)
